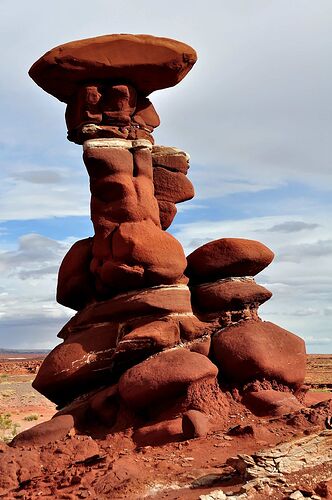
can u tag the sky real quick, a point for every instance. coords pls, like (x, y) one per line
(255, 115)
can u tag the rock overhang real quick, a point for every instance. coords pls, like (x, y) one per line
(147, 62)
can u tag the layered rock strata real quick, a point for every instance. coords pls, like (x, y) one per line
(158, 339)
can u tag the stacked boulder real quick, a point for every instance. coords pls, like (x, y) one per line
(156, 337)
(245, 349)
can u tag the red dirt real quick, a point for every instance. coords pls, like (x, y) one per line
(111, 466)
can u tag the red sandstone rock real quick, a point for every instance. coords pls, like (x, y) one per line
(170, 158)
(271, 403)
(312, 398)
(105, 405)
(167, 212)
(195, 424)
(149, 335)
(125, 216)
(164, 376)
(156, 300)
(170, 186)
(160, 433)
(202, 346)
(149, 63)
(121, 185)
(228, 257)
(255, 349)
(119, 104)
(229, 295)
(46, 432)
(192, 328)
(8, 470)
(78, 364)
(324, 489)
(85, 107)
(17, 466)
(75, 281)
(162, 258)
(145, 114)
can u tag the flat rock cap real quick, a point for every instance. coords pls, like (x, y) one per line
(147, 62)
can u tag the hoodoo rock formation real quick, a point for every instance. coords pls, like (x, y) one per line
(159, 342)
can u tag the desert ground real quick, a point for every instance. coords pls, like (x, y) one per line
(188, 470)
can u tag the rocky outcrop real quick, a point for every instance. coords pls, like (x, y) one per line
(251, 350)
(159, 341)
(228, 257)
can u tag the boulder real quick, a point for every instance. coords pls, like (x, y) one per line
(167, 212)
(271, 403)
(170, 186)
(75, 281)
(46, 432)
(159, 300)
(162, 257)
(170, 158)
(104, 404)
(324, 489)
(149, 334)
(121, 184)
(229, 294)
(77, 365)
(192, 328)
(164, 376)
(195, 424)
(150, 63)
(167, 431)
(201, 345)
(228, 257)
(253, 350)
(145, 114)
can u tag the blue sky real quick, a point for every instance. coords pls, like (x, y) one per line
(254, 114)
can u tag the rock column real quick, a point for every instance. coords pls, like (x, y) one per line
(156, 337)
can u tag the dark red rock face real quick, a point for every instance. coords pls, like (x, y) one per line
(166, 375)
(77, 365)
(76, 286)
(271, 403)
(104, 111)
(195, 424)
(259, 349)
(170, 158)
(167, 212)
(159, 301)
(144, 350)
(170, 186)
(229, 295)
(149, 63)
(46, 432)
(130, 250)
(228, 257)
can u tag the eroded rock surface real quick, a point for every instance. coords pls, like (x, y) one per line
(161, 346)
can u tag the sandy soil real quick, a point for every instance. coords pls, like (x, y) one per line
(175, 471)
(25, 406)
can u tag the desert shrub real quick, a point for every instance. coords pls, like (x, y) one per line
(5, 421)
(8, 429)
(30, 418)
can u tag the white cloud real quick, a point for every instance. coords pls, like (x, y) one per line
(38, 176)
(36, 194)
(27, 294)
(292, 226)
(254, 114)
